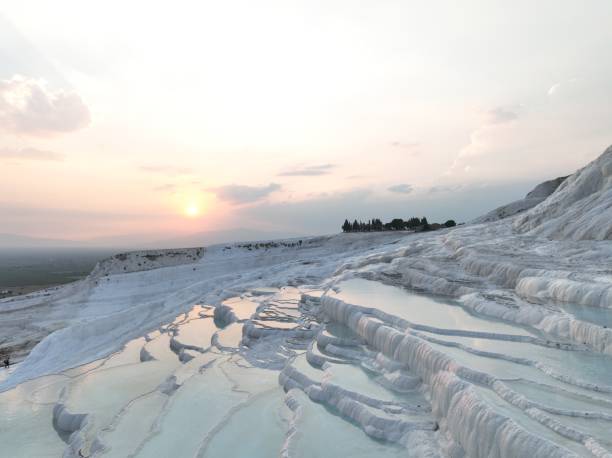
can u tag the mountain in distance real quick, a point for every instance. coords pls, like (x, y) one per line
(534, 197)
(23, 241)
(208, 238)
(139, 241)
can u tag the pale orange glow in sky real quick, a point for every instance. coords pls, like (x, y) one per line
(290, 114)
(192, 210)
(193, 203)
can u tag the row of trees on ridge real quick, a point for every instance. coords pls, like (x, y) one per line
(396, 224)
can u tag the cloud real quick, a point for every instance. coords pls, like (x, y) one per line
(313, 170)
(167, 169)
(501, 115)
(563, 87)
(324, 212)
(29, 107)
(30, 154)
(444, 188)
(241, 194)
(401, 188)
(408, 145)
(497, 121)
(554, 88)
(545, 141)
(409, 148)
(166, 188)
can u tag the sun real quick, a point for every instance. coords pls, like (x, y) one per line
(192, 210)
(191, 204)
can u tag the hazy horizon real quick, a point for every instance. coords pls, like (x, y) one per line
(287, 117)
(439, 206)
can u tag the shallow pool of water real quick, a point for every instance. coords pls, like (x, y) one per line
(418, 308)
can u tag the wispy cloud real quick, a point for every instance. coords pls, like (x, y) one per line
(308, 171)
(166, 169)
(405, 145)
(401, 188)
(356, 177)
(30, 107)
(444, 188)
(241, 194)
(407, 148)
(501, 115)
(561, 86)
(166, 188)
(500, 119)
(554, 88)
(30, 154)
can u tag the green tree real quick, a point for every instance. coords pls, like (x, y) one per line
(425, 224)
(413, 222)
(397, 224)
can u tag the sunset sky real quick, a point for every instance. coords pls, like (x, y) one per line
(167, 118)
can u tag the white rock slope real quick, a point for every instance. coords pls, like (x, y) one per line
(579, 209)
(487, 340)
(533, 198)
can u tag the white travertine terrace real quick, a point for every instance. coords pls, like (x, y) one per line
(486, 340)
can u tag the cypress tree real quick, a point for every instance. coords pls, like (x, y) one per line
(425, 224)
